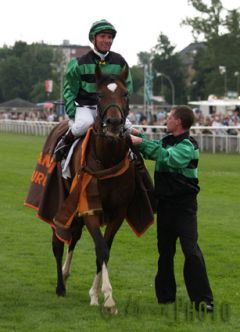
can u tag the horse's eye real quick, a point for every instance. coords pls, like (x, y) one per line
(125, 94)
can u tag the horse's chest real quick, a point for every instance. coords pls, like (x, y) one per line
(117, 191)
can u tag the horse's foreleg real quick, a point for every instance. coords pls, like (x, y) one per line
(66, 266)
(94, 290)
(102, 254)
(109, 303)
(76, 235)
(58, 248)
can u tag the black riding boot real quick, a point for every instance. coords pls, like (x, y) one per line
(64, 145)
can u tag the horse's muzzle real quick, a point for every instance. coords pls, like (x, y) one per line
(113, 126)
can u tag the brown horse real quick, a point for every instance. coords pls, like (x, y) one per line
(110, 144)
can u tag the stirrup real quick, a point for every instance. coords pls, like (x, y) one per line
(61, 149)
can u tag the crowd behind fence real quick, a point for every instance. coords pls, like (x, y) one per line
(212, 139)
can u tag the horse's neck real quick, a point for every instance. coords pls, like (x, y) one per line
(110, 151)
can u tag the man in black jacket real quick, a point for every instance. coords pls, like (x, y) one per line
(176, 187)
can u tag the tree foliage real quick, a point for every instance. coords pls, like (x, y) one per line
(162, 59)
(220, 28)
(209, 22)
(138, 79)
(232, 22)
(168, 63)
(24, 69)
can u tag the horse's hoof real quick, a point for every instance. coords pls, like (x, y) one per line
(94, 302)
(61, 292)
(110, 310)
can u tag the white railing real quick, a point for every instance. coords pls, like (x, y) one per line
(37, 128)
(211, 139)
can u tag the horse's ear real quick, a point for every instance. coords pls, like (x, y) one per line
(98, 73)
(124, 73)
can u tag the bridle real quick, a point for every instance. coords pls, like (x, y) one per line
(102, 111)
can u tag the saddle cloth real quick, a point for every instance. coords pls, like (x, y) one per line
(47, 192)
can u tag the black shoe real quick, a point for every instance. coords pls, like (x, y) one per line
(204, 306)
(209, 307)
(62, 149)
(166, 301)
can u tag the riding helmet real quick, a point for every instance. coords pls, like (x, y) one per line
(100, 26)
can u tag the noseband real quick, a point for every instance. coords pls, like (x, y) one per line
(102, 111)
(112, 123)
(107, 123)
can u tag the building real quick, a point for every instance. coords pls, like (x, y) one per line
(71, 50)
(17, 105)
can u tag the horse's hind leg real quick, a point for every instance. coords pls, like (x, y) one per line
(76, 231)
(58, 249)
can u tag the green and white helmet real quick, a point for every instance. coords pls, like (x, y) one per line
(100, 26)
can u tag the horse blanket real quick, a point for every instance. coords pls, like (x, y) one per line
(58, 206)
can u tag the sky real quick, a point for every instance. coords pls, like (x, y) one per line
(138, 23)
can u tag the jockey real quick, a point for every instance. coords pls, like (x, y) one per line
(79, 86)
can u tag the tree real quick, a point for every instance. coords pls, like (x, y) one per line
(144, 58)
(220, 28)
(138, 79)
(208, 24)
(232, 22)
(11, 79)
(24, 68)
(167, 62)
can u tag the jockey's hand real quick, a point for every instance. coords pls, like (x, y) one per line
(136, 140)
(128, 126)
(135, 132)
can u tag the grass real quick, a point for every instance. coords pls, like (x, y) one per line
(28, 275)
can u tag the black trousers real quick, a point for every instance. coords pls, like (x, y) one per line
(179, 220)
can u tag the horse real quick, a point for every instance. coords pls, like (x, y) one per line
(110, 144)
(111, 147)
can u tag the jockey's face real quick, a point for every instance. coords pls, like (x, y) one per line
(173, 123)
(103, 42)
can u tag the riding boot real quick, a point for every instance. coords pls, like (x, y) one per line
(64, 145)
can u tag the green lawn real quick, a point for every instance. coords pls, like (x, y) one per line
(27, 266)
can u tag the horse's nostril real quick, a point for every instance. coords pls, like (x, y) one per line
(113, 121)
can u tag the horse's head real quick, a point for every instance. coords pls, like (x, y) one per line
(112, 96)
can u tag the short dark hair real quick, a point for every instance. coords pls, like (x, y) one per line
(185, 114)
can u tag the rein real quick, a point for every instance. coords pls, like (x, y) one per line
(104, 110)
(109, 122)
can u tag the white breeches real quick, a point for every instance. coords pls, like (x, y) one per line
(84, 118)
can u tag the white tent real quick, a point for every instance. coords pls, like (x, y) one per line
(215, 105)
